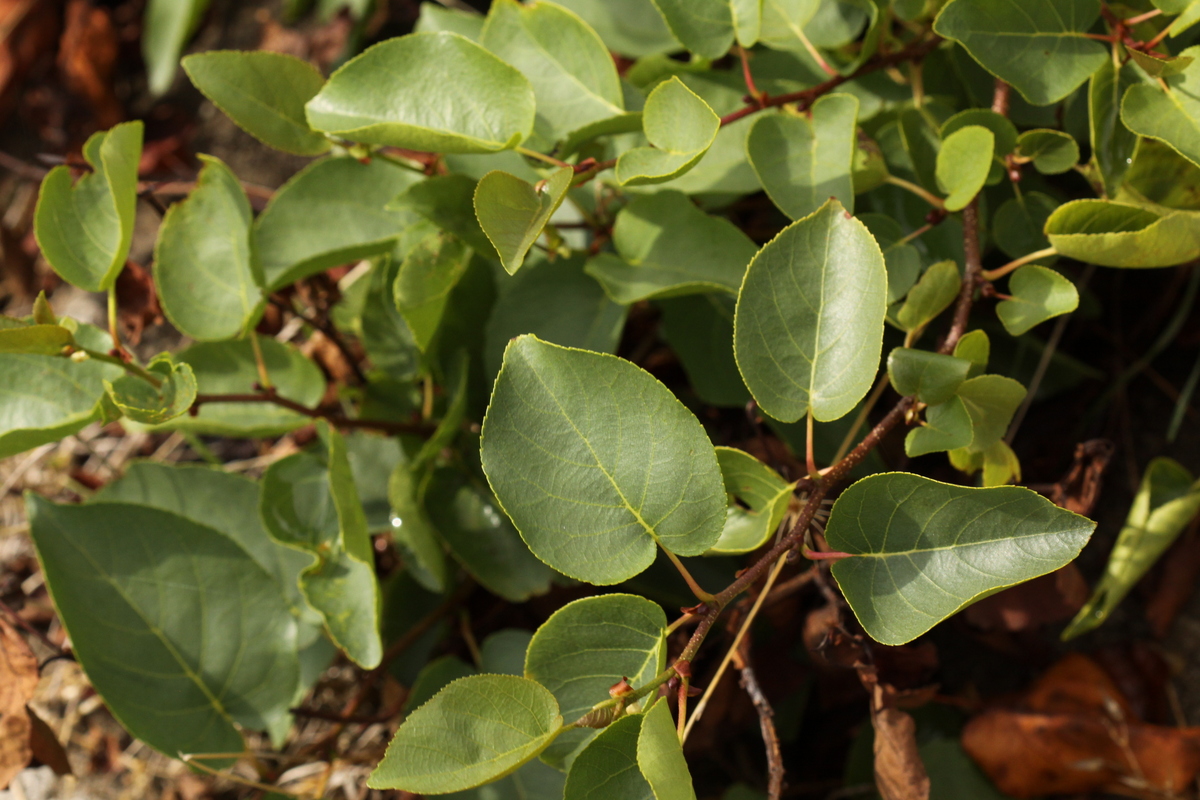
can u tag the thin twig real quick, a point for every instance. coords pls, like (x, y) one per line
(971, 275)
(337, 420)
(1029, 258)
(766, 720)
(330, 332)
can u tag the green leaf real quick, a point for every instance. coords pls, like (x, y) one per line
(902, 260)
(667, 247)
(1000, 126)
(438, 92)
(1053, 152)
(482, 538)
(435, 18)
(435, 676)
(264, 93)
(414, 533)
(572, 74)
(503, 652)
(870, 169)
(963, 164)
(1121, 235)
(1015, 41)
(475, 730)
(451, 422)
(106, 565)
(385, 335)
(513, 212)
(350, 198)
(424, 281)
(921, 142)
(947, 426)
(660, 757)
(1167, 500)
(952, 773)
(166, 29)
(808, 329)
(1000, 465)
(706, 27)
(1038, 294)
(932, 377)
(619, 467)
(699, 329)
(1157, 66)
(991, 401)
(202, 261)
(142, 402)
(924, 550)
(85, 230)
(931, 295)
(1170, 115)
(975, 347)
(763, 501)
(680, 125)
(1112, 143)
(783, 22)
(803, 162)
(448, 201)
(588, 646)
(608, 766)
(229, 368)
(629, 27)
(1161, 177)
(40, 340)
(747, 21)
(1018, 226)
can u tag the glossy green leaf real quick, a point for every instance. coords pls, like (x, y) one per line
(513, 212)
(699, 329)
(1015, 41)
(350, 198)
(808, 329)
(414, 533)
(1038, 294)
(608, 766)
(620, 465)
(438, 92)
(1018, 226)
(572, 74)
(448, 201)
(1157, 66)
(85, 230)
(1113, 144)
(947, 426)
(202, 261)
(166, 29)
(1121, 235)
(660, 757)
(229, 368)
(802, 162)
(1170, 114)
(924, 550)
(264, 93)
(1167, 500)
(668, 247)
(586, 647)
(932, 377)
(680, 125)
(141, 401)
(1053, 152)
(40, 340)
(963, 164)
(991, 401)
(706, 27)
(975, 347)
(424, 281)
(473, 731)
(762, 499)
(106, 565)
(931, 295)
(629, 27)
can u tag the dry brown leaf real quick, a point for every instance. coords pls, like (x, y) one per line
(45, 745)
(1079, 489)
(32, 28)
(1174, 581)
(18, 680)
(87, 54)
(1075, 684)
(899, 773)
(137, 302)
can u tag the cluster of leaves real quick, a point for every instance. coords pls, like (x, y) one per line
(513, 196)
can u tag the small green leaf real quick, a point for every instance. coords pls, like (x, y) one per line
(991, 401)
(1166, 502)
(438, 92)
(1038, 294)
(620, 465)
(142, 402)
(586, 647)
(808, 329)
(667, 248)
(1053, 152)
(706, 27)
(803, 162)
(41, 340)
(475, 730)
(424, 281)
(763, 498)
(513, 212)
(921, 142)
(947, 427)
(1018, 226)
(975, 347)
(660, 757)
(202, 262)
(870, 169)
(1170, 114)
(1121, 235)
(1157, 66)
(608, 767)
(680, 125)
(963, 164)
(1015, 42)
(85, 230)
(414, 533)
(1113, 144)
(386, 337)
(1000, 465)
(448, 201)
(699, 329)
(1000, 126)
(264, 93)
(630, 27)
(931, 295)
(924, 550)
(166, 29)
(932, 377)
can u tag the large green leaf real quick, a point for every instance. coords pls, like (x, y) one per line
(202, 263)
(1038, 294)
(923, 550)
(1167, 500)
(572, 74)
(1015, 41)
(513, 212)
(963, 163)
(477, 729)
(608, 766)
(349, 198)
(758, 501)
(424, 281)
(85, 230)
(629, 27)
(1112, 143)
(808, 329)
(141, 401)
(439, 92)
(617, 467)
(802, 162)
(588, 646)
(1162, 177)
(680, 125)
(706, 27)
(1122, 235)
(1170, 114)
(264, 93)
(167, 26)
(180, 666)
(660, 757)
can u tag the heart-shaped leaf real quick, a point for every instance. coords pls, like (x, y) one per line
(1038, 294)
(923, 550)
(706, 27)
(1170, 114)
(762, 499)
(680, 125)
(513, 212)
(932, 377)
(947, 426)
(963, 163)
(1052, 152)
(143, 402)
(1121, 235)
(641, 469)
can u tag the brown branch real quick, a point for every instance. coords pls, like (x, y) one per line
(337, 420)
(766, 719)
(1000, 96)
(21, 169)
(972, 274)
